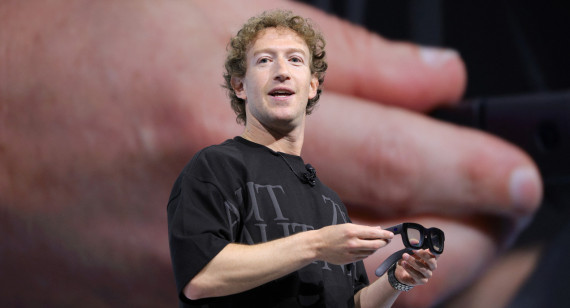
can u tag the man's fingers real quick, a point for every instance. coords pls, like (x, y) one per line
(417, 273)
(421, 261)
(373, 233)
(372, 245)
(395, 160)
(362, 239)
(425, 257)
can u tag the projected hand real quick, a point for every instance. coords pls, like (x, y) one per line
(103, 102)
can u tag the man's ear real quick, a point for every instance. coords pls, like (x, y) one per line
(239, 87)
(313, 87)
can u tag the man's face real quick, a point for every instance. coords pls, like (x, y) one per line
(278, 81)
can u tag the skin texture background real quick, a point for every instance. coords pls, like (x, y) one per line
(102, 103)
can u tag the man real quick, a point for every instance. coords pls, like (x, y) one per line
(250, 225)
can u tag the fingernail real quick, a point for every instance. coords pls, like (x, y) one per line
(525, 188)
(436, 57)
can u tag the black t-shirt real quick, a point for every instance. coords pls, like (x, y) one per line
(243, 192)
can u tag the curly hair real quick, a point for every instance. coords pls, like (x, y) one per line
(235, 65)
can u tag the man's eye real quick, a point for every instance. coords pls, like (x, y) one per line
(263, 60)
(296, 60)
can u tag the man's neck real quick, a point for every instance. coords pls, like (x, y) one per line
(290, 142)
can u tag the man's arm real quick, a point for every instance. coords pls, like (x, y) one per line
(378, 292)
(239, 268)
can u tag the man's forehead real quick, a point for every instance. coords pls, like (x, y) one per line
(279, 35)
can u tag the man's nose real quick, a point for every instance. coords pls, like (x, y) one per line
(282, 70)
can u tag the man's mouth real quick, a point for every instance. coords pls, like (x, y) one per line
(281, 93)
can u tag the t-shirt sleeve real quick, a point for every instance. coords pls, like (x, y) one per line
(199, 225)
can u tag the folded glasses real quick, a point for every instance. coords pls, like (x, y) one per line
(415, 237)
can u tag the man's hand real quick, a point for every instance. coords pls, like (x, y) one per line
(346, 243)
(416, 269)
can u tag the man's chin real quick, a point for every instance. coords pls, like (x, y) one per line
(286, 123)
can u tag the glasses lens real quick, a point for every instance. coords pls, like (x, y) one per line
(437, 241)
(414, 237)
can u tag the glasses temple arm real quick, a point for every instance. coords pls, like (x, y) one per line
(397, 229)
(391, 260)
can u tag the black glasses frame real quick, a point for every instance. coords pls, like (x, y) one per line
(426, 241)
(426, 236)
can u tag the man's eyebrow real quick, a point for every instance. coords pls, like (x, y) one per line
(287, 50)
